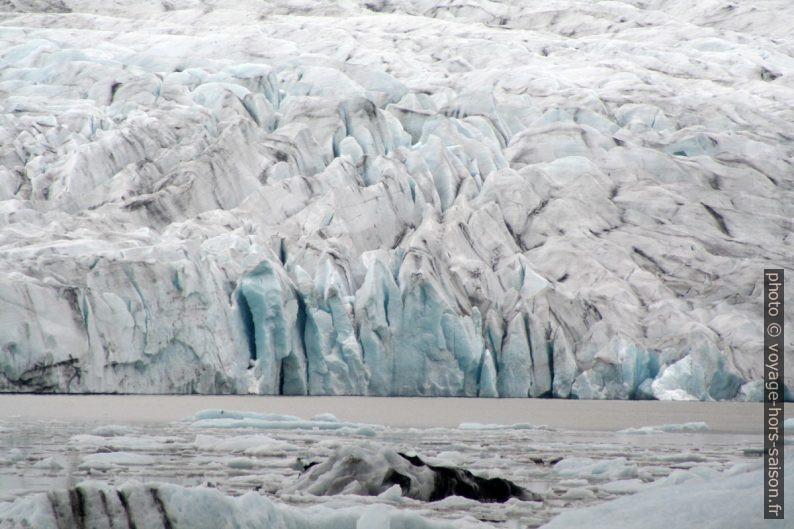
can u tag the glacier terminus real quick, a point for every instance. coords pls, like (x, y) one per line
(563, 199)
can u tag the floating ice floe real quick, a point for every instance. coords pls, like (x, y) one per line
(112, 430)
(697, 473)
(50, 463)
(684, 456)
(688, 427)
(274, 421)
(248, 444)
(492, 426)
(622, 486)
(578, 493)
(123, 442)
(595, 470)
(109, 460)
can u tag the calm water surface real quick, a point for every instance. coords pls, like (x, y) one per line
(726, 417)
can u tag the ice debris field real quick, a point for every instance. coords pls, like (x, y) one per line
(202, 473)
(564, 198)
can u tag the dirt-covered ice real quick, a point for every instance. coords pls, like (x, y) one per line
(565, 198)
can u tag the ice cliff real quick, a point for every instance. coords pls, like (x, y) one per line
(566, 199)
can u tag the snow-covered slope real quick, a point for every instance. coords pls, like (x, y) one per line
(558, 198)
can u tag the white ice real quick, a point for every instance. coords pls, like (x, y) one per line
(273, 421)
(597, 470)
(108, 460)
(492, 426)
(248, 444)
(669, 428)
(732, 501)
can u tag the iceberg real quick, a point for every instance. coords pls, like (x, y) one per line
(156, 505)
(371, 470)
(688, 427)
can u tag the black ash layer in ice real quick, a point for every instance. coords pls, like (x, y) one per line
(480, 199)
(166, 506)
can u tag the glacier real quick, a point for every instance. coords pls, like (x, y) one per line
(572, 200)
